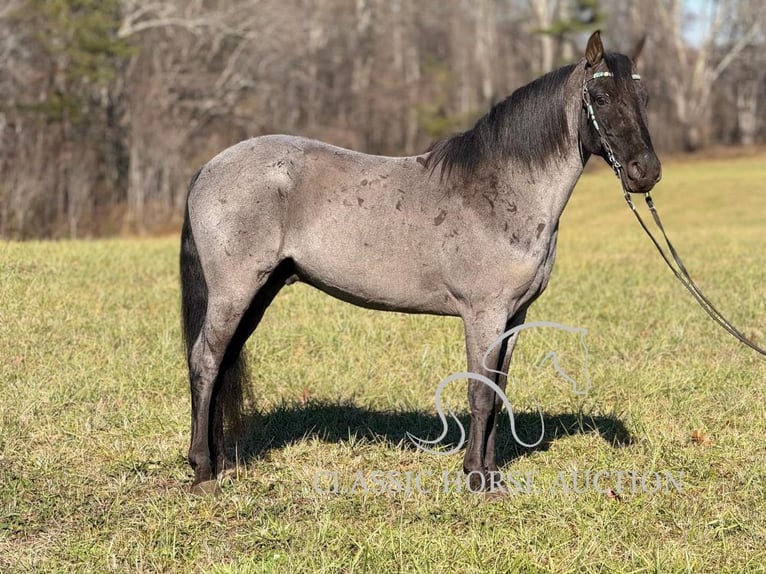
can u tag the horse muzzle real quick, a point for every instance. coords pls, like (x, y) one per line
(643, 173)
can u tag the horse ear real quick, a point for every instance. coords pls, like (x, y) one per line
(594, 53)
(638, 49)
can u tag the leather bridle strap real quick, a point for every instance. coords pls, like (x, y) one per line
(680, 272)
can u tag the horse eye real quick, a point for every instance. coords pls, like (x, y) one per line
(602, 100)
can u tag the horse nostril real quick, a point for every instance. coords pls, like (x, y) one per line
(636, 170)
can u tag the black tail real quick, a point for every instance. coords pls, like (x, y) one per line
(232, 375)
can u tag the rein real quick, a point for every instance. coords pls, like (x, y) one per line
(680, 271)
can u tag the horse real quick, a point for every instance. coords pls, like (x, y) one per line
(467, 229)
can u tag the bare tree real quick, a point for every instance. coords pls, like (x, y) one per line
(693, 70)
(102, 136)
(544, 12)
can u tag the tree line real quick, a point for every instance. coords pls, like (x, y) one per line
(107, 107)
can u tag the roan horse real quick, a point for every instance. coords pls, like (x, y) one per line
(467, 229)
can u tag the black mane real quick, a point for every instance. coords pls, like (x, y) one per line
(529, 125)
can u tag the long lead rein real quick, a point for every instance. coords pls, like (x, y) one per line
(681, 273)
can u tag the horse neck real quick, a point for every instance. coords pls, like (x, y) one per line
(549, 187)
(533, 186)
(541, 189)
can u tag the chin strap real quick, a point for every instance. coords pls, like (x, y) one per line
(680, 271)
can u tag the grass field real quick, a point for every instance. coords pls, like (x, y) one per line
(94, 411)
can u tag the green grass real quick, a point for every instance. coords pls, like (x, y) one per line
(94, 411)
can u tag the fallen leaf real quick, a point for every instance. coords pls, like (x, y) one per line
(701, 437)
(305, 396)
(613, 495)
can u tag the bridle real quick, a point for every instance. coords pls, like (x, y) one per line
(680, 272)
(610, 157)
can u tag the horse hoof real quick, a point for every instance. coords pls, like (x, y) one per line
(206, 488)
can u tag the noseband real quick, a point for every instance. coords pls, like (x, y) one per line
(680, 272)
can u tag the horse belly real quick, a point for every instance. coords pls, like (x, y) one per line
(373, 271)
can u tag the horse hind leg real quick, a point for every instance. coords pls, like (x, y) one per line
(205, 362)
(210, 357)
(282, 275)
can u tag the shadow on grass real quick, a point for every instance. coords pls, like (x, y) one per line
(337, 422)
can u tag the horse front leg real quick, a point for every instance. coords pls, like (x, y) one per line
(482, 330)
(506, 352)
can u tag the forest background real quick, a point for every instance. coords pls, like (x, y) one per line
(107, 107)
